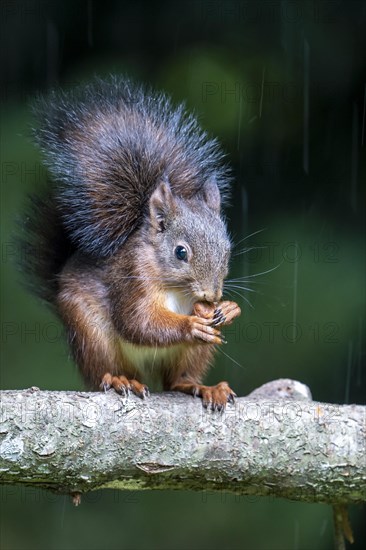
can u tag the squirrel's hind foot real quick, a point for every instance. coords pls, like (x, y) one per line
(213, 397)
(123, 385)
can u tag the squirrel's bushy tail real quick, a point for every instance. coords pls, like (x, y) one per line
(107, 146)
(44, 246)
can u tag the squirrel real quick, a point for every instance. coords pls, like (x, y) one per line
(131, 248)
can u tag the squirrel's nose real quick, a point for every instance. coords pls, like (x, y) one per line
(212, 296)
(209, 296)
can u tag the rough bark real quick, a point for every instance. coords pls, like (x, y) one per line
(276, 441)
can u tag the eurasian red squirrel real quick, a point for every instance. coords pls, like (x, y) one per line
(132, 247)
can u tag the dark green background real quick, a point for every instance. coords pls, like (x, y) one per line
(282, 85)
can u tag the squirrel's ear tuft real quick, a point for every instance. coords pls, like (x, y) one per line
(211, 195)
(161, 206)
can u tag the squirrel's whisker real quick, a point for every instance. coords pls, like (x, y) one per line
(248, 236)
(229, 357)
(243, 280)
(232, 291)
(259, 274)
(249, 249)
(240, 288)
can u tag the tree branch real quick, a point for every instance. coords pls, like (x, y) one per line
(276, 441)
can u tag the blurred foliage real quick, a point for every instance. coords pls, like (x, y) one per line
(248, 70)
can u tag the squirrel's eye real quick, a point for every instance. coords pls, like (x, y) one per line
(181, 253)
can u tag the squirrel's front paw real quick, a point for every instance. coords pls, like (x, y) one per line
(123, 385)
(202, 329)
(225, 313)
(218, 315)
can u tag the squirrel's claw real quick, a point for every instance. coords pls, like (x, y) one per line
(216, 397)
(124, 386)
(228, 311)
(123, 390)
(218, 318)
(144, 393)
(141, 390)
(104, 386)
(231, 397)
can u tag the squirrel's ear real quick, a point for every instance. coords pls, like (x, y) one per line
(211, 195)
(161, 206)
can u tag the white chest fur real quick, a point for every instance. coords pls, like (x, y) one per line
(179, 302)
